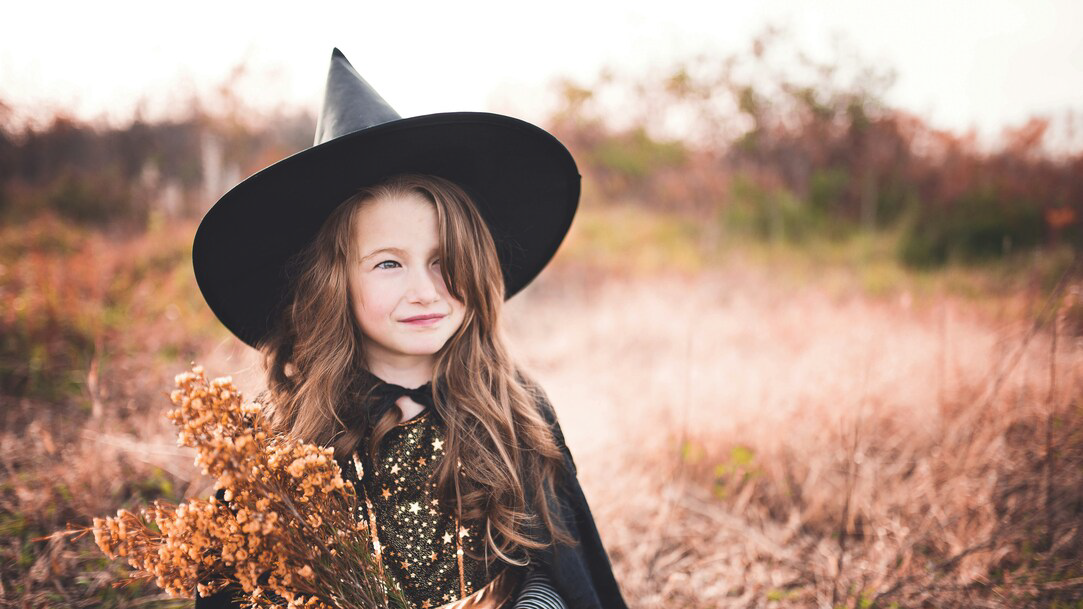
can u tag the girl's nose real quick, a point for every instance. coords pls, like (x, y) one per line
(422, 286)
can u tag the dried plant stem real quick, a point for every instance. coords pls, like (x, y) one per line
(851, 474)
(1051, 412)
(939, 570)
(999, 376)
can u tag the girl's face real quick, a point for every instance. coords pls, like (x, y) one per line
(397, 293)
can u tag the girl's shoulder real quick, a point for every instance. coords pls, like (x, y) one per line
(545, 407)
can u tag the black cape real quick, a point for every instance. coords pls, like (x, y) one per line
(581, 573)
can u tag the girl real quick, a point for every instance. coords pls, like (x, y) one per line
(370, 271)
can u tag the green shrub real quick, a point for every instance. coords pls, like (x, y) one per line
(974, 228)
(635, 154)
(95, 199)
(776, 214)
(826, 188)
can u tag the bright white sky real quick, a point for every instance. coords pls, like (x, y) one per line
(960, 64)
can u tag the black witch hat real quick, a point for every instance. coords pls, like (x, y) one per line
(524, 181)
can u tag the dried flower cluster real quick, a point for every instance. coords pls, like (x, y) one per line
(288, 532)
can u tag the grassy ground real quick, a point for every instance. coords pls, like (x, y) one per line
(628, 238)
(756, 425)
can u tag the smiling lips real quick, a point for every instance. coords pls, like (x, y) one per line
(423, 320)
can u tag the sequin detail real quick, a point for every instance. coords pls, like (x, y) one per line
(418, 540)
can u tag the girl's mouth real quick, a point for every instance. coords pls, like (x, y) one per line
(423, 320)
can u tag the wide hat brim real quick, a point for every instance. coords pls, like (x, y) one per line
(524, 181)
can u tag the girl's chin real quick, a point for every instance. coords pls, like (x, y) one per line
(409, 344)
(421, 348)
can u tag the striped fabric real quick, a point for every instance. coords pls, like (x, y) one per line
(537, 592)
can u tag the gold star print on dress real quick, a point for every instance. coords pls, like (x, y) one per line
(421, 545)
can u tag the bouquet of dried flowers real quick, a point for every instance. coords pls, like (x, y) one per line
(288, 532)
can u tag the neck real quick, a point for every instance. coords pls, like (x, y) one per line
(409, 372)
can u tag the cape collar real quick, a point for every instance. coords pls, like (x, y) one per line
(383, 390)
(383, 395)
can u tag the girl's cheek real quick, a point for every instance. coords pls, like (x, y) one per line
(439, 283)
(438, 279)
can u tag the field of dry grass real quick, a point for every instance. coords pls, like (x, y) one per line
(751, 442)
(744, 439)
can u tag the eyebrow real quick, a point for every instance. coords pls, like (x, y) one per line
(393, 250)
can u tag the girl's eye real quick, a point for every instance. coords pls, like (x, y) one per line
(381, 264)
(436, 261)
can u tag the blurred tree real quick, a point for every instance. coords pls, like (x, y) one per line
(821, 131)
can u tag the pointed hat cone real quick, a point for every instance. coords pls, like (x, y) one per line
(349, 103)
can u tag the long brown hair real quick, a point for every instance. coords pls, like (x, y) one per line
(490, 406)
